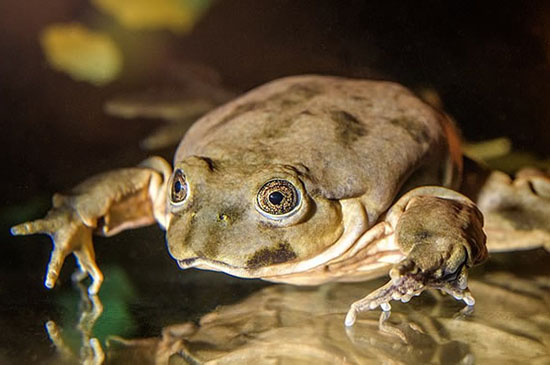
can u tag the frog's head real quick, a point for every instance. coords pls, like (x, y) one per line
(245, 220)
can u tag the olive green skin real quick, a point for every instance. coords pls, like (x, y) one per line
(332, 138)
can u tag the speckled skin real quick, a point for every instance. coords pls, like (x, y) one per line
(374, 169)
(340, 133)
(327, 133)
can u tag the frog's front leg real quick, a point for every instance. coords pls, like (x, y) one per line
(440, 232)
(104, 204)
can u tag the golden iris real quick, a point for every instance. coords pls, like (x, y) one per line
(277, 197)
(179, 187)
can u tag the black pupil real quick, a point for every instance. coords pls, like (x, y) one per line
(177, 186)
(276, 198)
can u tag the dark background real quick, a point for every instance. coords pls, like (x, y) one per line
(489, 61)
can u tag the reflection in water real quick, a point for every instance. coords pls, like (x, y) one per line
(285, 324)
(91, 352)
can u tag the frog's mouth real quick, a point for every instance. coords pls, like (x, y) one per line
(199, 262)
(187, 263)
(215, 265)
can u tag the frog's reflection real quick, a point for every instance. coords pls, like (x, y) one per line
(284, 324)
(91, 352)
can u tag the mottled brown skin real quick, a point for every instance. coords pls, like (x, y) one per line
(196, 229)
(372, 166)
(426, 227)
(327, 132)
(341, 133)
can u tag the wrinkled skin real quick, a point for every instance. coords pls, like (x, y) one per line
(308, 180)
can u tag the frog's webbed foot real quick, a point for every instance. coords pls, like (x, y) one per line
(104, 204)
(69, 235)
(440, 231)
(404, 287)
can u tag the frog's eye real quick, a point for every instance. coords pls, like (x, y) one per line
(278, 197)
(179, 188)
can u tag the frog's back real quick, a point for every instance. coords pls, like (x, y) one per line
(351, 137)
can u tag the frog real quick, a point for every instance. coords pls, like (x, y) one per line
(308, 180)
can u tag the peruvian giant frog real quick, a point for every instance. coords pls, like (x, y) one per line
(308, 180)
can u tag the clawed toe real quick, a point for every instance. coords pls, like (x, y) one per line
(404, 287)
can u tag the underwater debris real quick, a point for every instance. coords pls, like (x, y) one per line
(84, 54)
(178, 16)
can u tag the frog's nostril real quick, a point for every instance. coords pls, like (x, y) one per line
(224, 218)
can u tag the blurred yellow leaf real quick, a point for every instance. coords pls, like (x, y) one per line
(176, 15)
(84, 54)
(498, 155)
(485, 150)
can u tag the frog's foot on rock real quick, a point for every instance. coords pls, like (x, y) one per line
(441, 233)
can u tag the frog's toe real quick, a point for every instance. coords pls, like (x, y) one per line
(57, 219)
(402, 289)
(428, 263)
(69, 235)
(458, 288)
(85, 257)
(448, 272)
(460, 294)
(410, 277)
(32, 227)
(54, 266)
(454, 264)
